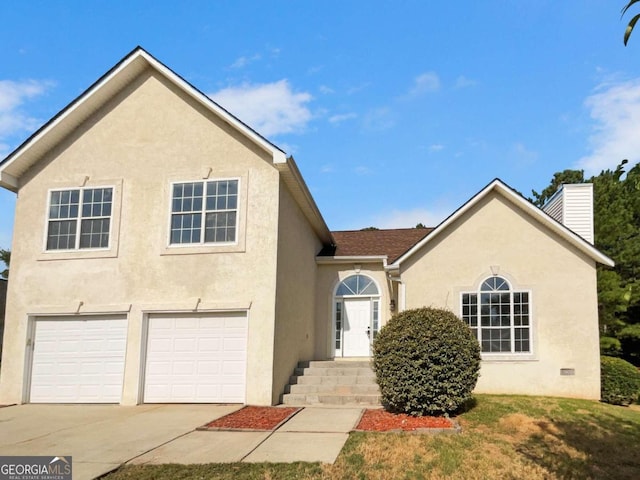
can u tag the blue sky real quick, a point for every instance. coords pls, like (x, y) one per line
(396, 112)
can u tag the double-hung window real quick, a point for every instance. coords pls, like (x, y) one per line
(79, 218)
(499, 317)
(204, 212)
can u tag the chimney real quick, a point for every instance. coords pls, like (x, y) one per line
(572, 205)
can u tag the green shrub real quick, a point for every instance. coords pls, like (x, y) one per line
(426, 362)
(620, 381)
(610, 346)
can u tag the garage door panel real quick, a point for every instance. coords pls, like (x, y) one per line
(210, 344)
(209, 368)
(78, 360)
(196, 349)
(186, 345)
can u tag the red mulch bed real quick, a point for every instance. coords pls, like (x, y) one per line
(382, 421)
(252, 418)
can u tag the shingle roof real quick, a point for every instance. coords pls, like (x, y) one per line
(392, 243)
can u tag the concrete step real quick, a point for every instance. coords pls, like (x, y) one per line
(335, 364)
(329, 399)
(333, 380)
(334, 371)
(334, 389)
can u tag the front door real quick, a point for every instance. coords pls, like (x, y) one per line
(357, 327)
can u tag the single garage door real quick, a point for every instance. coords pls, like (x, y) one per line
(196, 358)
(78, 359)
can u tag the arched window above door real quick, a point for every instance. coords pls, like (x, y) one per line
(357, 285)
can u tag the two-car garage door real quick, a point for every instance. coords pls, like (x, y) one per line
(189, 358)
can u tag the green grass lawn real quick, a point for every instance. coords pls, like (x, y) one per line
(504, 437)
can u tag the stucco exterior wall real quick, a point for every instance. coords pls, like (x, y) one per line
(295, 294)
(148, 136)
(329, 276)
(3, 300)
(562, 282)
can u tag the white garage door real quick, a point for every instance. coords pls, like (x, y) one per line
(78, 359)
(196, 358)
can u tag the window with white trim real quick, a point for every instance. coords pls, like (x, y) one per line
(79, 218)
(204, 212)
(498, 316)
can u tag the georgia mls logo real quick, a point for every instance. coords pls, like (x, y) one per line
(35, 468)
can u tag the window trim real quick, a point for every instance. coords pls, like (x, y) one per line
(167, 248)
(202, 242)
(78, 219)
(510, 355)
(114, 224)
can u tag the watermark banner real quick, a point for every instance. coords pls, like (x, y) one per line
(35, 468)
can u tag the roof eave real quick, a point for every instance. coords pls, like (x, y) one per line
(298, 188)
(519, 201)
(8, 181)
(340, 259)
(101, 91)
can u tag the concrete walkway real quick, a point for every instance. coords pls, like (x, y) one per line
(312, 435)
(100, 438)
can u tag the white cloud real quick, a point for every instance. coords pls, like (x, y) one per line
(615, 110)
(342, 117)
(362, 170)
(523, 155)
(270, 108)
(379, 119)
(358, 88)
(436, 147)
(425, 83)
(410, 218)
(326, 90)
(464, 82)
(12, 96)
(243, 61)
(328, 168)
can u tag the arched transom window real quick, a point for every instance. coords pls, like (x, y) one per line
(498, 316)
(357, 285)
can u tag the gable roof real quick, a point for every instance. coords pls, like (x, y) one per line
(374, 243)
(112, 82)
(500, 188)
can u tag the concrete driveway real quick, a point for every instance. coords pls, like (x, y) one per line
(98, 437)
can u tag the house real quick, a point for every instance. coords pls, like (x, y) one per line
(166, 252)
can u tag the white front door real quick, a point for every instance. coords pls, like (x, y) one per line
(357, 327)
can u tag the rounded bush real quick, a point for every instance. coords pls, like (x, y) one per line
(620, 381)
(426, 362)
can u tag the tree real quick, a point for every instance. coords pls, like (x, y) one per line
(632, 22)
(616, 213)
(5, 257)
(420, 225)
(566, 176)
